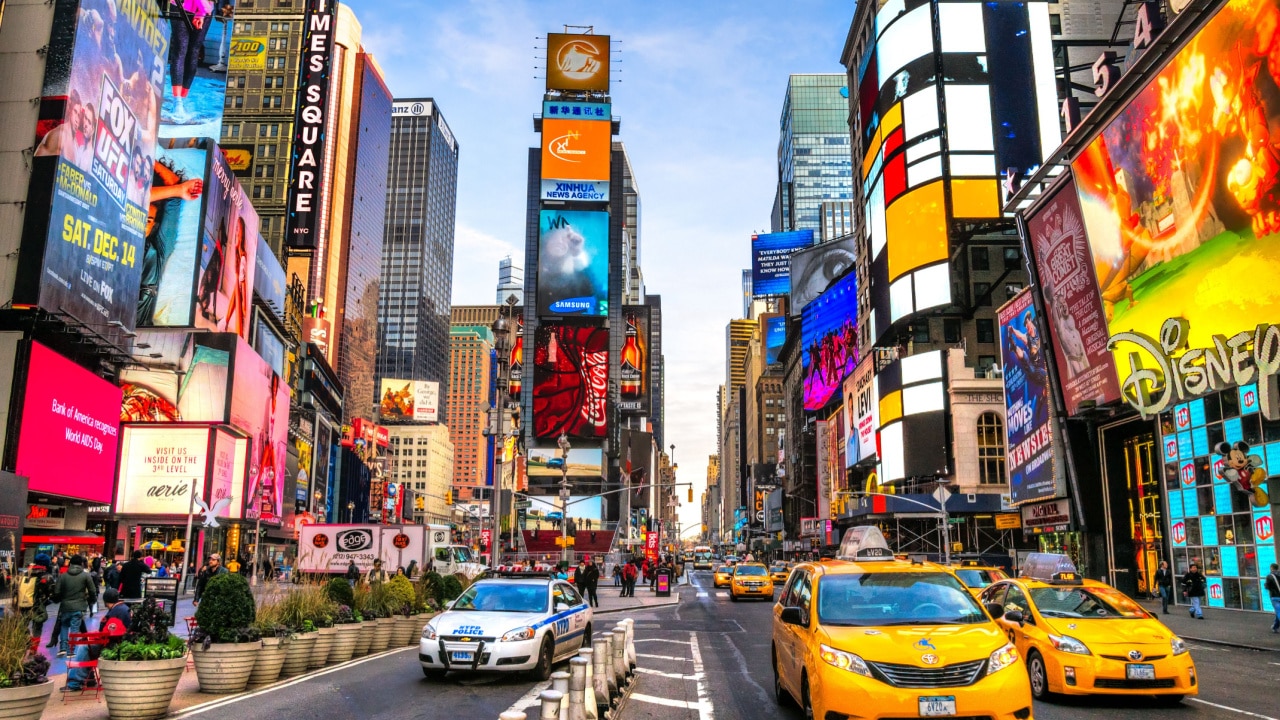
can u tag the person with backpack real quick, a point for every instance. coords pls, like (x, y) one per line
(35, 592)
(115, 624)
(1273, 589)
(75, 592)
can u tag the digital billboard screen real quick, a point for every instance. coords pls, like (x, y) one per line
(172, 242)
(546, 462)
(86, 212)
(775, 336)
(829, 341)
(771, 261)
(196, 392)
(69, 429)
(409, 400)
(633, 364)
(224, 285)
(576, 149)
(814, 268)
(573, 263)
(578, 62)
(260, 408)
(1028, 424)
(570, 381)
(195, 80)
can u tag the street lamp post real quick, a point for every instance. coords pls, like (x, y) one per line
(563, 444)
(502, 346)
(351, 511)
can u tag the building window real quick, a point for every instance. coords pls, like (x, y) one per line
(986, 363)
(264, 171)
(266, 151)
(951, 330)
(1011, 289)
(231, 130)
(920, 332)
(263, 192)
(982, 294)
(1012, 258)
(236, 102)
(986, 330)
(991, 470)
(273, 101)
(269, 130)
(980, 259)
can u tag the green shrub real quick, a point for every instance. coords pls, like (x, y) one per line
(307, 605)
(226, 608)
(339, 591)
(401, 595)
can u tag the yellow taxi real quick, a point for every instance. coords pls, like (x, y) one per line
(723, 576)
(978, 577)
(870, 636)
(1084, 637)
(751, 580)
(778, 573)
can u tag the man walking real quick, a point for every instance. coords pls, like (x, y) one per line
(211, 568)
(377, 575)
(131, 577)
(75, 591)
(115, 624)
(1193, 587)
(629, 576)
(1273, 589)
(1164, 583)
(589, 579)
(353, 573)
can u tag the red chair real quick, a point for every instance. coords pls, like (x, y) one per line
(90, 640)
(191, 629)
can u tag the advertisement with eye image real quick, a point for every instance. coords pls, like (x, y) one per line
(814, 268)
(172, 245)
(195, 78)
(573, 263)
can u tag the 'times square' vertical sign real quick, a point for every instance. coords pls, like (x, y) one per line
(302, 228)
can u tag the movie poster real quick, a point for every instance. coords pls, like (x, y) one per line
(195, 72)
(570, 381)
(172, 242)
(224, 283)
(573, 263)
(829, 342)
(1028, 423)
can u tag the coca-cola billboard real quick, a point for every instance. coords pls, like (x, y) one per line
(571, 381)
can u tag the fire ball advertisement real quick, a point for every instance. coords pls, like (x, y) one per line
(573, 263)
(95, 147)
(1029, 423)
(570, 381)
(409, 400)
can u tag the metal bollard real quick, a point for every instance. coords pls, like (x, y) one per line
(550, 704)
(619, 655)
(512, 715)
(560, 683)
(589, 697)
(606, 684)
(631, 644)
(578, 689)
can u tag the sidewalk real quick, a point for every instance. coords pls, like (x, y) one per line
(1251, 630)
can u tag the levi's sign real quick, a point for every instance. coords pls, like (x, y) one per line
(303, 220)
(582, 191)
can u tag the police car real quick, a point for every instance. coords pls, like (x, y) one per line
(507, 624)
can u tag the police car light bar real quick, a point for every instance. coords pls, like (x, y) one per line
(1050, 567)
(864, 543)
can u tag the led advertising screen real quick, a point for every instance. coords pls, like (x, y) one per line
(829, 342)
(912, 437)
(771, 261)
(578, 62)
(195, 80)
(1180, 202)
(1078, 326)
(224, 284)
(814, 268)
(862, 412)
(86, 207)
(545, 462)
(260, 408)
(69, 429)
(248, 52)
(172, 241)
(308, 172)
(576, 150)
(570, 381)
(633, 365)
(269, 282)
(409, 400)
(157, 466)
(573, 263)
(1028, 427)
(775, 336)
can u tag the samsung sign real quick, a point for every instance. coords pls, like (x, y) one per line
(302, 226)
(577, 190)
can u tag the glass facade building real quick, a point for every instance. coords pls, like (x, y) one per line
(814, 162)
(418, 234)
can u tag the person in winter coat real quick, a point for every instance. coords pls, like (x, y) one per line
(1273, 589)
(115, 623)
(630, 573)
(376, 574)
(1164, 583)
(75, 592)
(353, 573)
(588, 577)
(213, 567)
(41, 575)
(131, 575)
(1193, 587)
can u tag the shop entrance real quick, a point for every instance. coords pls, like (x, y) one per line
(1133, 505)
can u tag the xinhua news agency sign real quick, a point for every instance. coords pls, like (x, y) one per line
(302, 222)
(579, 191)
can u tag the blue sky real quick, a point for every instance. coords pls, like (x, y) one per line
(699, 87)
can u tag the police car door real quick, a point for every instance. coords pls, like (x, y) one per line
(563, 596)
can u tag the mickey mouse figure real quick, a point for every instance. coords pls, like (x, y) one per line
(1243, 470)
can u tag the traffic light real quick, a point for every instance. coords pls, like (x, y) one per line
(690, 494)
(448, 497)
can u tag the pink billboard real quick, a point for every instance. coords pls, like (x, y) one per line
(260, 407)
(70, 429)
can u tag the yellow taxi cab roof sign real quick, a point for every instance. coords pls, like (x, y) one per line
(864, 543)
(1050, 567)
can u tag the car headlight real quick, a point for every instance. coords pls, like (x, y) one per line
(1002, 658)
(1179, 647)
(844, 660)
(429, 632)
(524, 633)
(1068, 644)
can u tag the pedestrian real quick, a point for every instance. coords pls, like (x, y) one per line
(131, 574)
(1164, 584)
(211, 568)
(35, 592)
(353, 573)
(413, 569)
(580, 576)
(115, 624)
(630, 573)
(589, 579)
(1273, 589)
(617, 575)
(75, 591)
(1193, 588)
(377, 575)
(268, 569)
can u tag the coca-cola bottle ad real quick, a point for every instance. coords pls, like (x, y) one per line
(571, 381)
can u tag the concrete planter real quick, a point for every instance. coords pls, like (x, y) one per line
(140, 690)
(298, 654)
(24, 703)
(382, 631)
(364, 638)
(423, 619)
(225, 667)
(324, 643)
(407, 631)
(266, 667)
(344, 643)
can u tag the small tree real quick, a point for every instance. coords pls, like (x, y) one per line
(339, 591)
(226, 609)
(401, 594)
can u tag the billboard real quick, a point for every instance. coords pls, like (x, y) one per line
(157, 465)
(308, 173)
(912, 438)
(633, 364)
(409, 400)
(829, 341)
(248, 53)
(1181, 206)
(576, 149)
(196, 392)
(269, 282)
(573, 110)
(1028, 421)
(577, 191)
(239, 158)
(228, 251)
(771, 260)
(545, 462)
(260, 408)
(570, 381)
(573, 263)
(91, 175)
(862, 413)
(172, 241)
(775, 336)
(578, 62)
(195, 79)
(814, 268)
(1078, 326)
(69, 429)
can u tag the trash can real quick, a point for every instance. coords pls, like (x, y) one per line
(664, 583)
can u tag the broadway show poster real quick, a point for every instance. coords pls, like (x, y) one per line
(98, 118)
(195, 78)
(570, 381)
(1070, 287)
(1028, 428)
(260, 407)
(573, 263)
(174, 220)
(224, 284)
(829, 342)
(1181, 191)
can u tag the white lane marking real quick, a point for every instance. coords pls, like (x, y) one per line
(1228, 707)
(722, 593)
(678, 642)
(702, 594)
(668, 702)
(675, 676)
(661, 657)
(530, 698)
(705, 709)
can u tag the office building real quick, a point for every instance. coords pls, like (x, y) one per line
(510, 281)
(470, 396)
(657, 371)
(738, 335)
(422, 460)
(417, 257)
(632, 274)
(814, 165)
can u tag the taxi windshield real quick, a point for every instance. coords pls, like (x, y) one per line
(904, 598)
(1082, 602)
(751, 570)
(496, 597)
(722, 570)
(979, 578)
(778, 568)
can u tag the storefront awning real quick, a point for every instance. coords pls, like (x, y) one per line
(65, 537)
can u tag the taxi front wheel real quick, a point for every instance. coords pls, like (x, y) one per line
(1038, 675)
(805, 705)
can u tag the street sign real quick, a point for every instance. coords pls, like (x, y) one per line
(941, 494)
(524, 504)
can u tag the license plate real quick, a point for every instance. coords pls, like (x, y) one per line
(938, 706)
(1140, 672)
(460, 657)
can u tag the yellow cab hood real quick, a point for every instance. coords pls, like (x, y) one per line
(1111, 631)
(908, 644)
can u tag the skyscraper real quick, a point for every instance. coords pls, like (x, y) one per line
(466, 406)
(417, 257)
(632, 275)
(814, 163)
(510, 281)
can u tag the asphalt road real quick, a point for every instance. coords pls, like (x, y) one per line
(708, 659)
